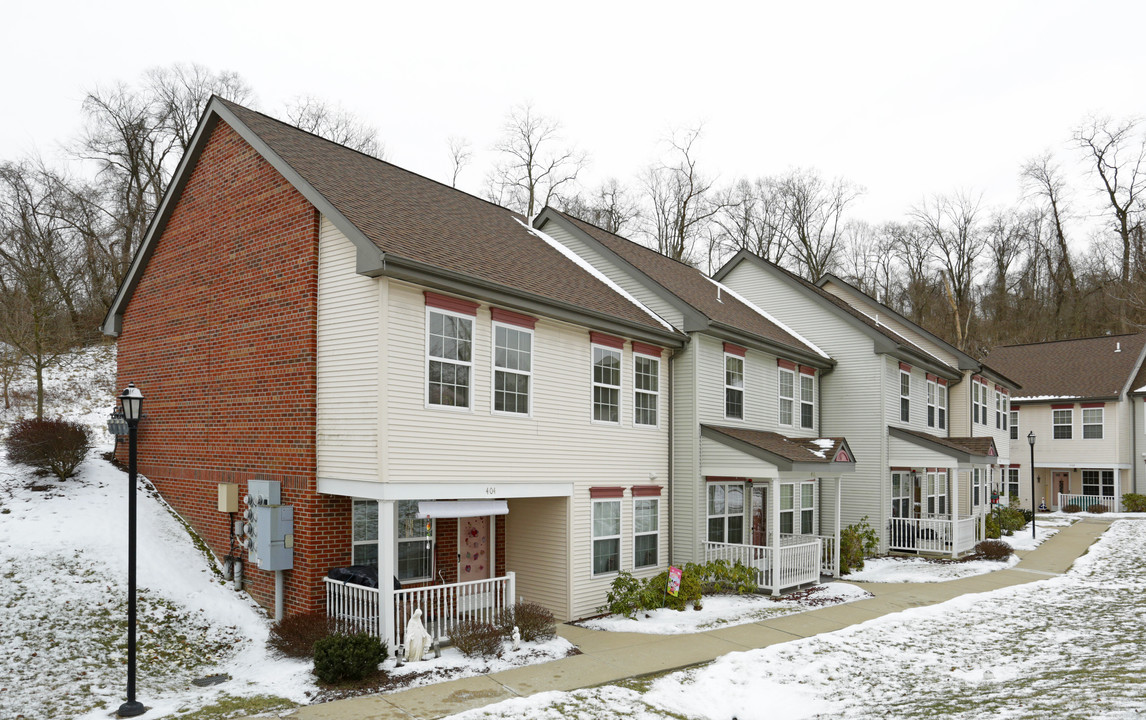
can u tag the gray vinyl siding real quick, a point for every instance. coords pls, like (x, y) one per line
(688, 497)
(348, 395)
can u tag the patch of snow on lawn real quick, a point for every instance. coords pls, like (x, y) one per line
(920, 570)
(454, 665)
(1044, 530)
(727, 610)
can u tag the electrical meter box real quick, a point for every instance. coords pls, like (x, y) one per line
(228, 497)
(260, 494)
(274, 539)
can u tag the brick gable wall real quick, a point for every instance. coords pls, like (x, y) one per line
(220, 336)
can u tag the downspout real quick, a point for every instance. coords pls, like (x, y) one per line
(671, 429)
(1134, 457)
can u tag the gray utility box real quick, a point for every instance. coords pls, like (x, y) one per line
(274, 539)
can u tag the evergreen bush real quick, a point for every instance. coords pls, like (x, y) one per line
(1134, 502)
(341, 658)
(857, 542)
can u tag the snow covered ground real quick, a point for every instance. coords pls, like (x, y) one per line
(1070, 646)
(922, 570)
(727, 610)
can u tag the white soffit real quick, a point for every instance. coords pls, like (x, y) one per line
(461, 508)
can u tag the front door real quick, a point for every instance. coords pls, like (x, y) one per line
(759, 515)
(1062, 484)
(474, 550)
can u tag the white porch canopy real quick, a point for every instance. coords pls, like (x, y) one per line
(461, 508)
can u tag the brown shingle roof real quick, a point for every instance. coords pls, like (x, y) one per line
(1083, 368)
(981, 446)
(410, 216)
(691, 286)
(802, 450)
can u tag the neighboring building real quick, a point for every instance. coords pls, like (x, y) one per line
(1081, 399)
(752, 470)
(894, 394)
(440, 390)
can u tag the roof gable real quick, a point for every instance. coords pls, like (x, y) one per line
(1097, 367)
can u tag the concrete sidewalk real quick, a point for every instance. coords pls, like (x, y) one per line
(610, 657)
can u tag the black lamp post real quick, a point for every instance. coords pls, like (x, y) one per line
(131, 401)
(1034, 508)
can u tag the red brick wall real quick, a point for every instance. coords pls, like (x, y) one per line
(220, 338)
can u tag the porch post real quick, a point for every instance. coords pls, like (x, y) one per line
(839, 515)
(387, 532)
(774, 522)
(953, 510)
(985, 494)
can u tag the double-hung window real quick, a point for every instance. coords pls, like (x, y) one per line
(415, 543)
(1014, 424)
(646, 389)
(1092, 423)
(364, 535)
(726, 513)
(449, 362)
(941, 403)
(512, 369)
(798, 508)
(999, 410)
(606, 384)
(979, 402)
(901, 488)
(606, 536)
(931, 414)
(976, 482)
(646, 532)
(733, 386)
(1098, 483)
(905, 395)
(807, 399)
(787, 396)
(1012, 481)
(935, 492)
(1063, 424)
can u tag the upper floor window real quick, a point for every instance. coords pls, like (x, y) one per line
(449, 361)
(733, 386)
(904, 396)
(931, 385)
(941, 404)
(646, 389)
(513, 369)
(1063, 424)
(807, 399)
(1014, 424)
(1092, 423)
(606, 384)
(787, 396)
(979, 402)
(999, 421)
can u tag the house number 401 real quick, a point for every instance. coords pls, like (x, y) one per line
(491, 490)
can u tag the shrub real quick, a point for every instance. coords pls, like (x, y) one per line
(477, 639)
(54, 446)
(1072, 508)
(721, 577)
(340, 658)
(1012, 518)
(655, 591)
(624, 597)
(533, 621)
(1134, 502)
(857, 542)
(993, 550)
(295, 636)
(1096, 508)
(994, 528)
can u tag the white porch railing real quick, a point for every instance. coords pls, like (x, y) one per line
(932, 535)
(968, 527)
(1085, 501)
(828, 555)
(442, 606)
(798, 562)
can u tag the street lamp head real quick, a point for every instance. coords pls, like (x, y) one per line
(1031, 438)
(132, 400)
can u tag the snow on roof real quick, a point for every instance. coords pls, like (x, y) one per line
(584, 265)
(824, 444)
(1035, 398)
(767, 316)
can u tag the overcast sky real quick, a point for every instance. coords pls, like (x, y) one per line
(906, 99)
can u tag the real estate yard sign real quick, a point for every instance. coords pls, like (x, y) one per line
(674, 580)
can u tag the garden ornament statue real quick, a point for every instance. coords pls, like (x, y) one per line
(516, 638)
(418, 641)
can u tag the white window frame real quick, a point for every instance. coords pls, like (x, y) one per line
(810, 401)
(654, 394)
(976, 488)
(469, 365)
(941, 405)
(901, 502)
(999, 424)
(934, 494)
(399, 540)
(1100, 424)
(979, 402)
(709, 515)
(494, 370)
(1069, 424)
(1012, 482)
(355, 543)
(790, 399)
(1100, 483)
(594, 347)
(904, 397)
(1014, 428)
(594, 538)
(807, 508)
(655, 532)
(932, 409)
(742, 388)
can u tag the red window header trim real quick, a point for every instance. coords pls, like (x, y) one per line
(606, 492)
(805, 370)
(932, 378)
(646, 490)
(786, 364)
(608, 340)
(448, 302)
(941, 381)
(905, 367)
(724, 478)
(735, 349)
(1068, 406)
(1094, 405)
(646, 349)
(510, 317)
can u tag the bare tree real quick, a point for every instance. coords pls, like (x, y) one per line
(814, 210)
(611, 206)
(681, 200)
(461, 153)
(866, 260)
(535, 166)
(333, 122)
(1044, 179)
(180, 93)
(957, 240)
(911, 245)
(752, 218)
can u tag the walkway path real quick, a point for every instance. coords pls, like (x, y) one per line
(610, 656)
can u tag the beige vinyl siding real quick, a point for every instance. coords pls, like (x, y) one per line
(852, 395)
(348, 369)
(720, 460)
(537, 532)
(558, 443)
(688, 494)
(622, 275)
(907, 454)
(959, 408)
(1075, 451)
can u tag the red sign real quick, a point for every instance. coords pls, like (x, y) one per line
(674, 580)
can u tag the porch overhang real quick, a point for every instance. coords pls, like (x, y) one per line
(461, 508)
(371, 490)
(758, 454)
(911, 448)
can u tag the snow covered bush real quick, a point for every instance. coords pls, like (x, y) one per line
(477, 639)
(993, 550)
(296, 635)
(533, 621)
(341, 658)
(53, 446)
(1134, 502)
